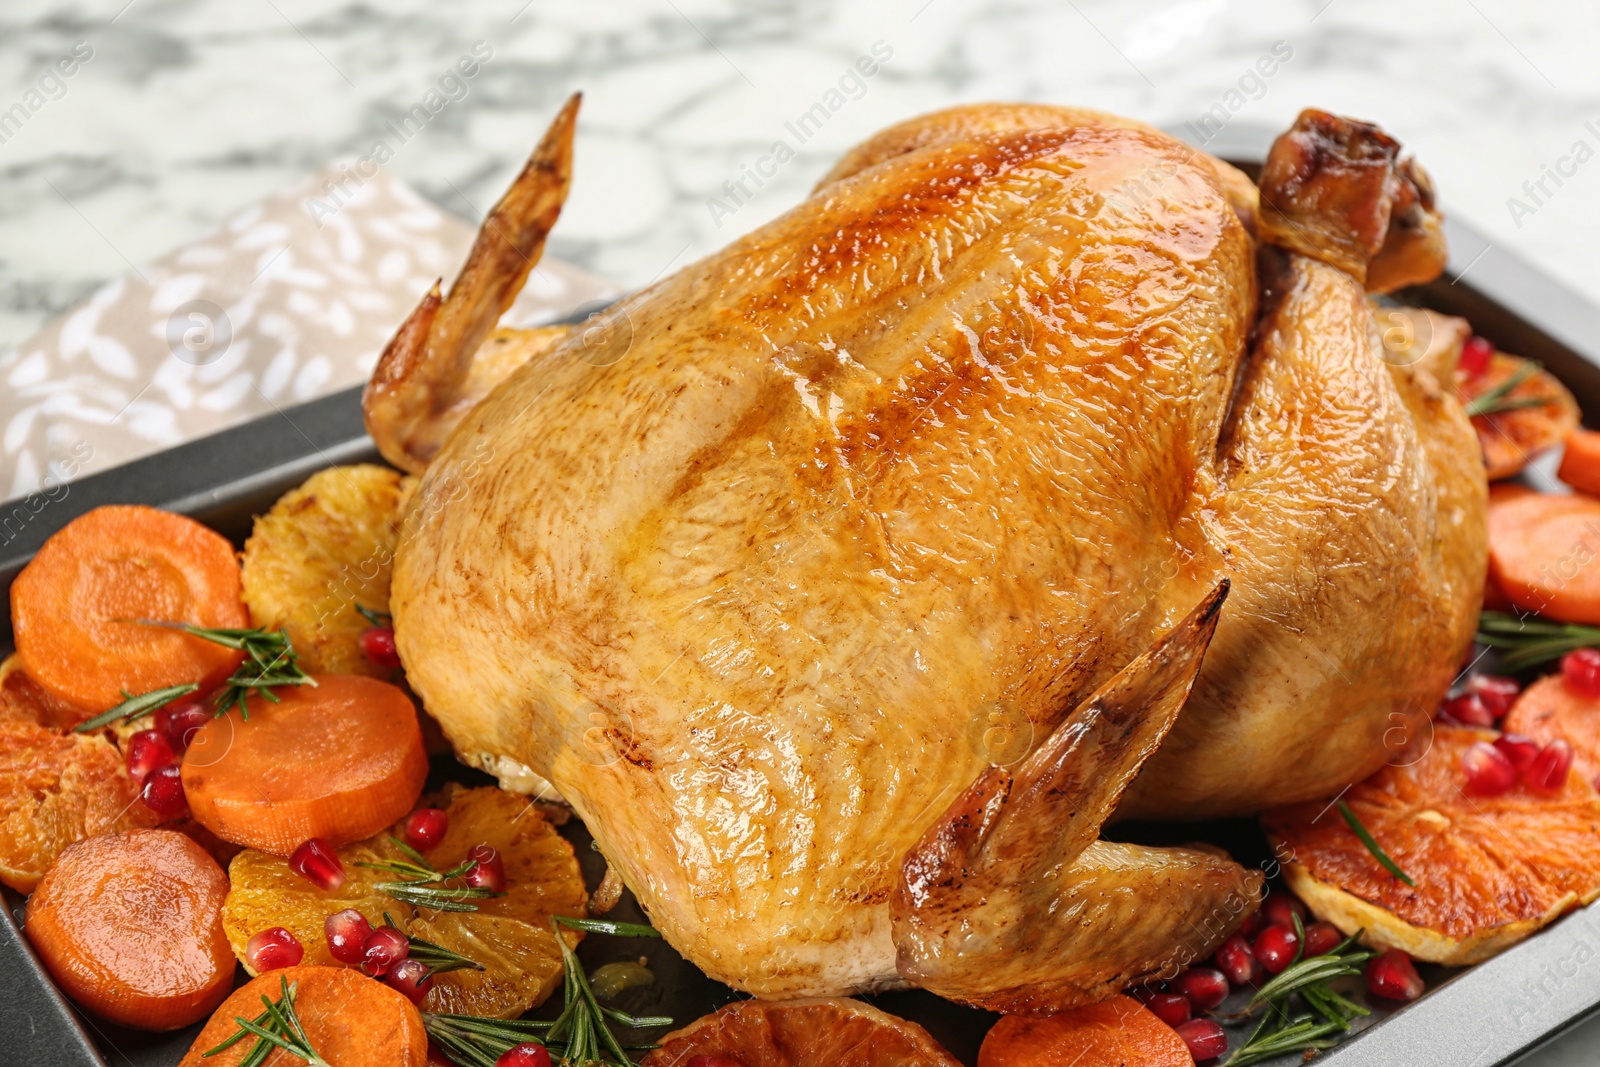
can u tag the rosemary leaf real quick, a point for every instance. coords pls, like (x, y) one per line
(606, 926)
(135, 707)
(1372, 845)
(437, 897)
(434, 956)
(376, 618)
(1530, 640)
(270, 661)
(1499, 398)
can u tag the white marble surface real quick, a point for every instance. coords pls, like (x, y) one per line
(189, 110)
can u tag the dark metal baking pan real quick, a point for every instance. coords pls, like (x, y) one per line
(1485, 1016)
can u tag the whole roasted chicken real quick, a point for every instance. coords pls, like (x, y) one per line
(846, 582)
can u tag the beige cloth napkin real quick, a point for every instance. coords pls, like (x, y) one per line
(286, 302)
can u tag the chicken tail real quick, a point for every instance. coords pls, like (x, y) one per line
(425, 381)
(1335, 189)
(1010, 902)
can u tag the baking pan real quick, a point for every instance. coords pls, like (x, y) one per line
(1484, 1016)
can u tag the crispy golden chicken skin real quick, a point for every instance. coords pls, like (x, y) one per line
(768, 566)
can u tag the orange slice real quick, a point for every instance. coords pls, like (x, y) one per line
(24, 700)
(1511, 438)
(1108, 1034)
(1550, 708)
(56, 789)
(509, 935)
(323, 549)
(802, 1033)
(1489, 871)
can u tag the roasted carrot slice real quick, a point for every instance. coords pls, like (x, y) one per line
(55, 789)
(349, 1021)
(1108, 1034)
(1544, 554)
(130, 926)
(1550, 708)
(1518, 411)
(339, 760)
(1494, 598)
(70, 606)
(1580, 464)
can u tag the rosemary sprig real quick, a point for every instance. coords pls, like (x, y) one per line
(1498, 399)
(1530, 640)
(1279, 1032)
(269, 661)
(580, 1035)
(434, 956)
(424, 885)
(135, 707)
(1372, 845)
(276, 1027)
(375, 618)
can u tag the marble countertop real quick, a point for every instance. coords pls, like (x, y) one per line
(176, 114)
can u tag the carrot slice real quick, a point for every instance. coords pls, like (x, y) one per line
(70, 604)
(1544, 554)
(1108, 1034)
(1494, 598)
(1580, 465)
(340, 760)
(130, 925)
(349, 1020)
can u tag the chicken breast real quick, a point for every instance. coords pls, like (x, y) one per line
(765, 568)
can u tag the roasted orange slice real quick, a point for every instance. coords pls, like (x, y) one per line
(1489, 871)
(56, 789)
(1550, 708)
(802, 1033)
(1111, 1033)
(324, 549)
(23, 700)
(1537, 412)
(509, 935)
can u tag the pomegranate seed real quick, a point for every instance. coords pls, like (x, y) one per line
(178, 722)
(382, 949)
(1170, 1008)
(1252, 925)
(1581, 669)
(1280, 908)
(1547, 772)
(1322, 938)
(1203, 987)
(1496, 692)
(1469, 709)
(1489, 773)
(316, 861)
(1475, 355)
(1275, 947)
(377, 644)
(489, 870)
(1205, 1038)
(346, 931)
(147, 750)
(410, 977)
(529, 1054)
(1518, 749)
(1236, 960)
(1393, 977)
(425, 827)
(272, 948)
(163, 792)
(1143, 993)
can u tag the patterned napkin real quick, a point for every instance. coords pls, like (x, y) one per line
(288, 301)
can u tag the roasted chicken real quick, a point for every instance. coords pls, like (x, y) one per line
(843, 580)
